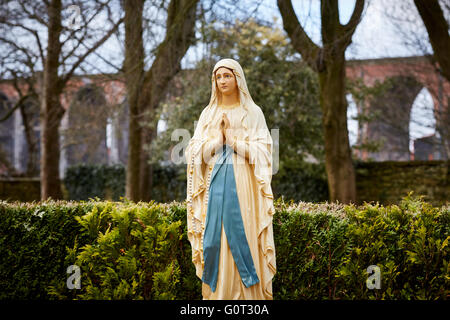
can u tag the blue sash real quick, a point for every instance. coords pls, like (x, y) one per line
(223, 205)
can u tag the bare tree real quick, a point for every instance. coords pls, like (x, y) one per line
(147, 88)
(329, 62)
(58, 50)
(134, 69)
(19, 68)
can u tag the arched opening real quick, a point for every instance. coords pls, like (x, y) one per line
(390, 119)
(352, 121)
(85, 135)
(30, 130)
(117, 133)
(423, 142)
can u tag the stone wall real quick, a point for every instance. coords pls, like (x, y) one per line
(387, 182)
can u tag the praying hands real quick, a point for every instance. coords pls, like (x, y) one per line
(224, 126)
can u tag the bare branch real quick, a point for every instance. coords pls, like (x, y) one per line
(92, 49)
(17, 105)
(300, 40)
(33, 15)
(349, 28)
(30, 30)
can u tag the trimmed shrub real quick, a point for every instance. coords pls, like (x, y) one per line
(89, 181)
(108, 182)
(33, 242)
(140, 250)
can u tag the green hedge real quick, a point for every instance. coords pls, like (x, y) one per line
(89, 181)
(33, 242)
(83, 182)
(296, 181)
(140, 251)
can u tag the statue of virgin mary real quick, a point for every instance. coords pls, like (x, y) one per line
(229, 194)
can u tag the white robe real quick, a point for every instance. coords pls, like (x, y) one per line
(254, 192)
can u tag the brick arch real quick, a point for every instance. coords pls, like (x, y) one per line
(114, 92)
(421, 74)
(391, 125)
(370, 71)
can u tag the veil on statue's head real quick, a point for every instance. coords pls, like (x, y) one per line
(244, 95)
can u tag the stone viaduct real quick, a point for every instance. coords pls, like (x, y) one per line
(98, 133)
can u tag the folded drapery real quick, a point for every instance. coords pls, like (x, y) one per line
(223, 207)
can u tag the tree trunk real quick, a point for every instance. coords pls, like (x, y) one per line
(338, 160)
(134, 69)
(180, 35)
(146, 167)
(51, 109)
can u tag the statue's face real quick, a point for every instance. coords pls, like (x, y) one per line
(226, 81)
